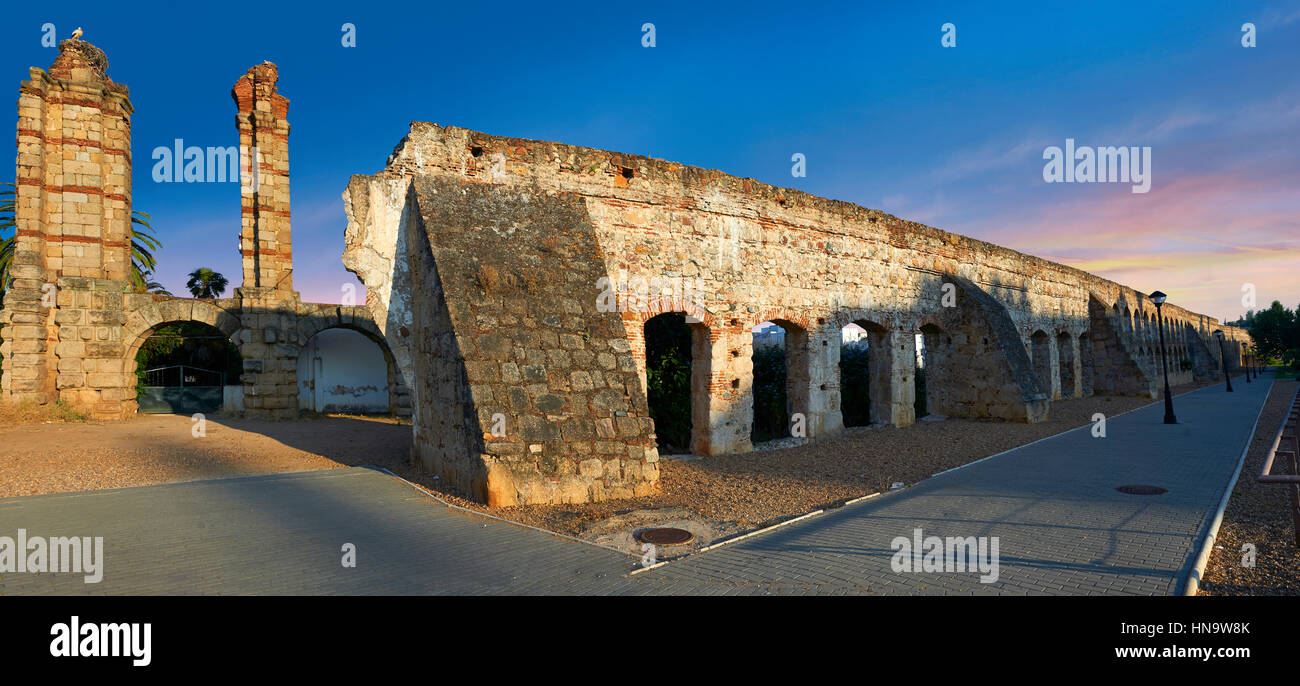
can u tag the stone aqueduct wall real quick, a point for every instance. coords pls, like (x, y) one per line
(484, 258)
(71, 324)
(486, 254)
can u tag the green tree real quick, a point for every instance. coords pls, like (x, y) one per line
(205, 283)
(150, 286)
(143, 245)
(668, 377)
(1274, 331)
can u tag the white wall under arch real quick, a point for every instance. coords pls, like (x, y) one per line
(341, 370)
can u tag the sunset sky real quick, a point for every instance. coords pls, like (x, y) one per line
(886, 117)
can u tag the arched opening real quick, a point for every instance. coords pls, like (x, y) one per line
(864, 374)
(677, 382)
(1085, 364)
(344, 371)
(1065, 346)
(185, 367)
(780, 386)
(931, 357)
(1040, 351)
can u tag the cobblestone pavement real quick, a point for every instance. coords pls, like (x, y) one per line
(1061, 526)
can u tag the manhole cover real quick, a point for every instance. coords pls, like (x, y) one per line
(666, 536)
(1142, 489)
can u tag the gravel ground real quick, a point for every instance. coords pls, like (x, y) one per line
(1258, 514)
(752, 490)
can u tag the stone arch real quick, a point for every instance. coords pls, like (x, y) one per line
(775, 315)
(653, 307)
(1040, 346)
(142, 323)
(399, 397)
(934, 379)
(798, 376)
(701, 377)
(865, 395)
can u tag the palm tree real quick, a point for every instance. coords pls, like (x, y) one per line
(205, 283)
(8, 204)
(151, 286)
(143, 242)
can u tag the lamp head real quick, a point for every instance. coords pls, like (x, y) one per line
(1158, 298)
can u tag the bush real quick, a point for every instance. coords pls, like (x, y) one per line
(1186, 364)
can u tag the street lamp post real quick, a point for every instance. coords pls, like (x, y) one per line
(1159, 299)
(1245, 356)
(1223, 358)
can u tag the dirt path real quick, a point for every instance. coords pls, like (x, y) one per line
(155, 449)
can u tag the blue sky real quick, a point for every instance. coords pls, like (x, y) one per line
(886, 117)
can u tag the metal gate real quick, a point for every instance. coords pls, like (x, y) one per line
(181, 389)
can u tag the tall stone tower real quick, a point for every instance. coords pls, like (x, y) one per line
(264, 237)
(73, 245)
(267, 301)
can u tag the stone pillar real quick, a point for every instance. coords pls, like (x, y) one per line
(798, 380)
(264, 237)
(268, 343)
(268, 304)
(824, 417)
(72, 257)
(900, 351)
(731, 402)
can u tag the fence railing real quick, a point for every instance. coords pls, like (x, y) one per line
(183, 375)
(1286, 449)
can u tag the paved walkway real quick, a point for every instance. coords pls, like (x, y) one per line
(1061, 526)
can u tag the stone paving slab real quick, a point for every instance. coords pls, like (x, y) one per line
(283, 534)
(1062, 528)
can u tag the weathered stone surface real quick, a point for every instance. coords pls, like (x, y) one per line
(72, 325)
(483, 249)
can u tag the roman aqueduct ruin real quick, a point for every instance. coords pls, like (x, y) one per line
(509, 282)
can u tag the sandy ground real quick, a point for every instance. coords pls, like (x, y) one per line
(155, 449)
(715, 497)
(1257, 514)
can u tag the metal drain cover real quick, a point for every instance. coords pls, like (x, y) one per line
(1142, 489)
(666, 536)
